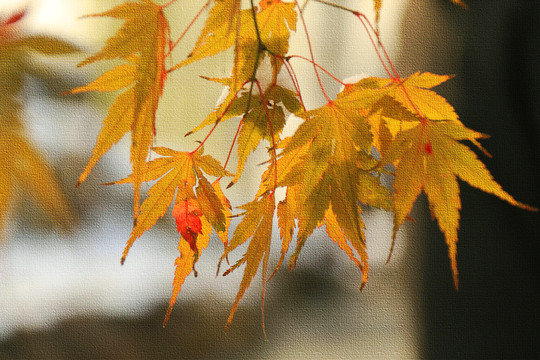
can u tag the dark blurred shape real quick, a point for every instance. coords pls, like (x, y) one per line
(197, 332)
(495, 314)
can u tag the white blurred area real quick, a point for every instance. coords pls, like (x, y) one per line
(46, 276)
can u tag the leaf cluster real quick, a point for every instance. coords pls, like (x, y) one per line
(331, 167)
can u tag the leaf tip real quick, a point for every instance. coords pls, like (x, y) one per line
(15, 17)
(362, 285)
(167, 315)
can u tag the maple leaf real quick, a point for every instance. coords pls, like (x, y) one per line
(263, 120)
(219, 32)
(257, 226)
(414, 93)
(396, 105)
(141, 41)
(185, 263)
(430, 158)
(21, 164)
(176, 173)
(252, 32)
(329, 144)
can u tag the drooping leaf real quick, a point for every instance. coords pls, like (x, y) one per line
(211, 205)
(257, 226)
(333, 137)
(175, 176)
(430, 158)
(141, 41)
(47, 45)
(24, 167)
(276, 20)
(185, 263)
(209, 165)
(226, 207)
(219, 32)
(286, 212)
(335, 232)
(21, 165)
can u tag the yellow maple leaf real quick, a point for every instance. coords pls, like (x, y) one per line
(257, 226)
(21, 164)
(185, 263)
(219, 32)
(176, 173)
(141, 41)
(431, 158)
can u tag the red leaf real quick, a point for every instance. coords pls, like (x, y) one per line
(187, 214)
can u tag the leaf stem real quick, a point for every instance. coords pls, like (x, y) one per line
(293, 77)
(359, 16)
(368, 26)
(206, 138)
(311, 53)
(218, 120)
(317, 65)
(185, 31)
(232, 146)
(168, 4)
(380, 44)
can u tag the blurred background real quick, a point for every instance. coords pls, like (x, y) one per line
(65, 295)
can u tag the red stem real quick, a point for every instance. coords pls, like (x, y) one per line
(218, 120)
(359, 16)
(379, 42)
(311, 53)
(319, 66)
(294, 79)
(168, 4)
(189, 25)
(206, 138)
(232, 145)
